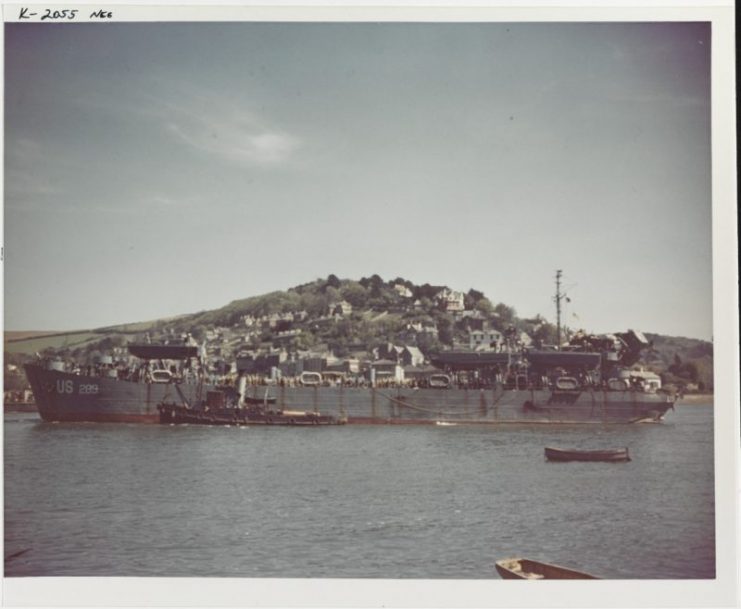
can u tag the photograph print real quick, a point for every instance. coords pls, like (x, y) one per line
(373, 300)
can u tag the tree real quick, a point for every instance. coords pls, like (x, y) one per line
(333, 281)
(355, 294)
(484, 306)
(426, 291)
(332, 295)
(471, 299)
(544, 334)
(314, 304)
(198, 333)
(375, 283)
(383, 300)
(426, 304)
(505, 316)
(427, 343)
(445, 330)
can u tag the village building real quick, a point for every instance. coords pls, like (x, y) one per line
(412, 356)
(261, 364)
(403, 290)
(384, 369)
(286, 338)
(341, 308)
(312, 364)
(419, 373)
(472, 320)
(351, 365)
(298, 316)
(485, 340)
(450, 300)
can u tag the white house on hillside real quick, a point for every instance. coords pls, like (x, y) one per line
(403, 290)
(483, 340)
(340, 308)
(450, 300)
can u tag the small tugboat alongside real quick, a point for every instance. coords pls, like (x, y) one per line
(216, 411)
(174, 414)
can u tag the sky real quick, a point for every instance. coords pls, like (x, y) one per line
(157, 169)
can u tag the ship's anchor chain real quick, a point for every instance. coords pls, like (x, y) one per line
(418, 408)
(594, 402)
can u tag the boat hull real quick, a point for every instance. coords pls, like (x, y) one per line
(474, 406)
(174, 414)
(62, 396)
(612, 455)
(522, 568)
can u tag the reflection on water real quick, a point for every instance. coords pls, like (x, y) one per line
(355, 501)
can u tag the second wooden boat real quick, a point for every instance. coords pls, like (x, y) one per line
(606, 454)
(523, 568)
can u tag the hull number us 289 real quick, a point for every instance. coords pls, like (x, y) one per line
(68, 387)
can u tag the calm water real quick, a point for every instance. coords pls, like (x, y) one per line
(355, 501)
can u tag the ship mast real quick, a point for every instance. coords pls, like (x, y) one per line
(558, 298)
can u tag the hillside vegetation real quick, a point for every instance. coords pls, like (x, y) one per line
(349, 318)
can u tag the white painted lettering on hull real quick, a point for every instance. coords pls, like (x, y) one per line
(65, 386)
(68, 387)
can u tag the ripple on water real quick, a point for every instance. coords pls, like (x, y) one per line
(412, 502)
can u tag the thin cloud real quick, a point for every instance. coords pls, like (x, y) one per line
(218, 126)
(24, 175)
(161, 201)
(234, 141)
(25, 182)
(231, 134)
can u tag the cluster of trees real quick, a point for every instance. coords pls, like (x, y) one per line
(681, 361)
(368, 296)
(697, 372)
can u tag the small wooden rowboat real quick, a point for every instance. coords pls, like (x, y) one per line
(607, 454)
(522, 568)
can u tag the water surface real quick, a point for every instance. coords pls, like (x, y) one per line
(96, 499)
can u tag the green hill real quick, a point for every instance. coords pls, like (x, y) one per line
(349, 317)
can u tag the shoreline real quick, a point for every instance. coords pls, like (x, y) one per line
(19, 407)
(697, 399)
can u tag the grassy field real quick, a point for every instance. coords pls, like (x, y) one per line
(38, 342)
(32, 341)
(11, 335)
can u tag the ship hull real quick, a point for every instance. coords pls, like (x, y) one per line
(62, 396)
(474, 406)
